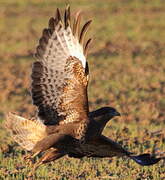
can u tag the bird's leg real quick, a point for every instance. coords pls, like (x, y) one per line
(43, 145)
(35, 154)
(50, 155)
(30, 158)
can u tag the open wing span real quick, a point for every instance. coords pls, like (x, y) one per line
(60, 75)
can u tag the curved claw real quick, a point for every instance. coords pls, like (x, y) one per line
(145, 159)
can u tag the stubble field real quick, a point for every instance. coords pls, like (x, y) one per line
(127, 71)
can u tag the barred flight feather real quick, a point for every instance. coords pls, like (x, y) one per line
(60, 75)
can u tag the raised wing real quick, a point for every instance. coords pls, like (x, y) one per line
(60, 75)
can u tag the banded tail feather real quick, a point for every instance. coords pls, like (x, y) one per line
(24, 131)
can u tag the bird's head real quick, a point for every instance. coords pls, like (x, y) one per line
(102, 116)
(108, 111)
(105, 113)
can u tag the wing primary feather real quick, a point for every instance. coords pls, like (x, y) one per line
(58, 15)
(87, 46)
(51, 23)
(67, 17)
(76, 25)
(83, 31)
(55, 22)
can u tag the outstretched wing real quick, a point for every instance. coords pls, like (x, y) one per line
(60, 75)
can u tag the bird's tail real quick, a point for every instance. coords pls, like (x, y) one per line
(24, 131)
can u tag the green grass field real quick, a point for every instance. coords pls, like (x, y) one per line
(127, 71)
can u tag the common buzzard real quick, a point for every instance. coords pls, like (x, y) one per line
(64, 125)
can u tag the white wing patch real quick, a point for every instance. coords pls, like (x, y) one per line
(59, 47)
(62, 44)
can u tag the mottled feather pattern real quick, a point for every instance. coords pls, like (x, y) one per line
(59, 78)
(64, 125)
(24, 131)
(75, 91)
(59, 95)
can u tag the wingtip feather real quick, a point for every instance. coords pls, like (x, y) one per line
(76, 24)
(70, 39)
(83, 31)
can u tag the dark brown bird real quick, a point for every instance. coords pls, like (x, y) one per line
(59, 89)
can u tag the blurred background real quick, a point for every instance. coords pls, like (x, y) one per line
(127, 71)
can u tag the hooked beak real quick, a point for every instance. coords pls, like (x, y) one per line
(117, 114)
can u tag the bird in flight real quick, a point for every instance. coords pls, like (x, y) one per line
(64, 125)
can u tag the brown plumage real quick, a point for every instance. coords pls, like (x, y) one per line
(59, 89)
